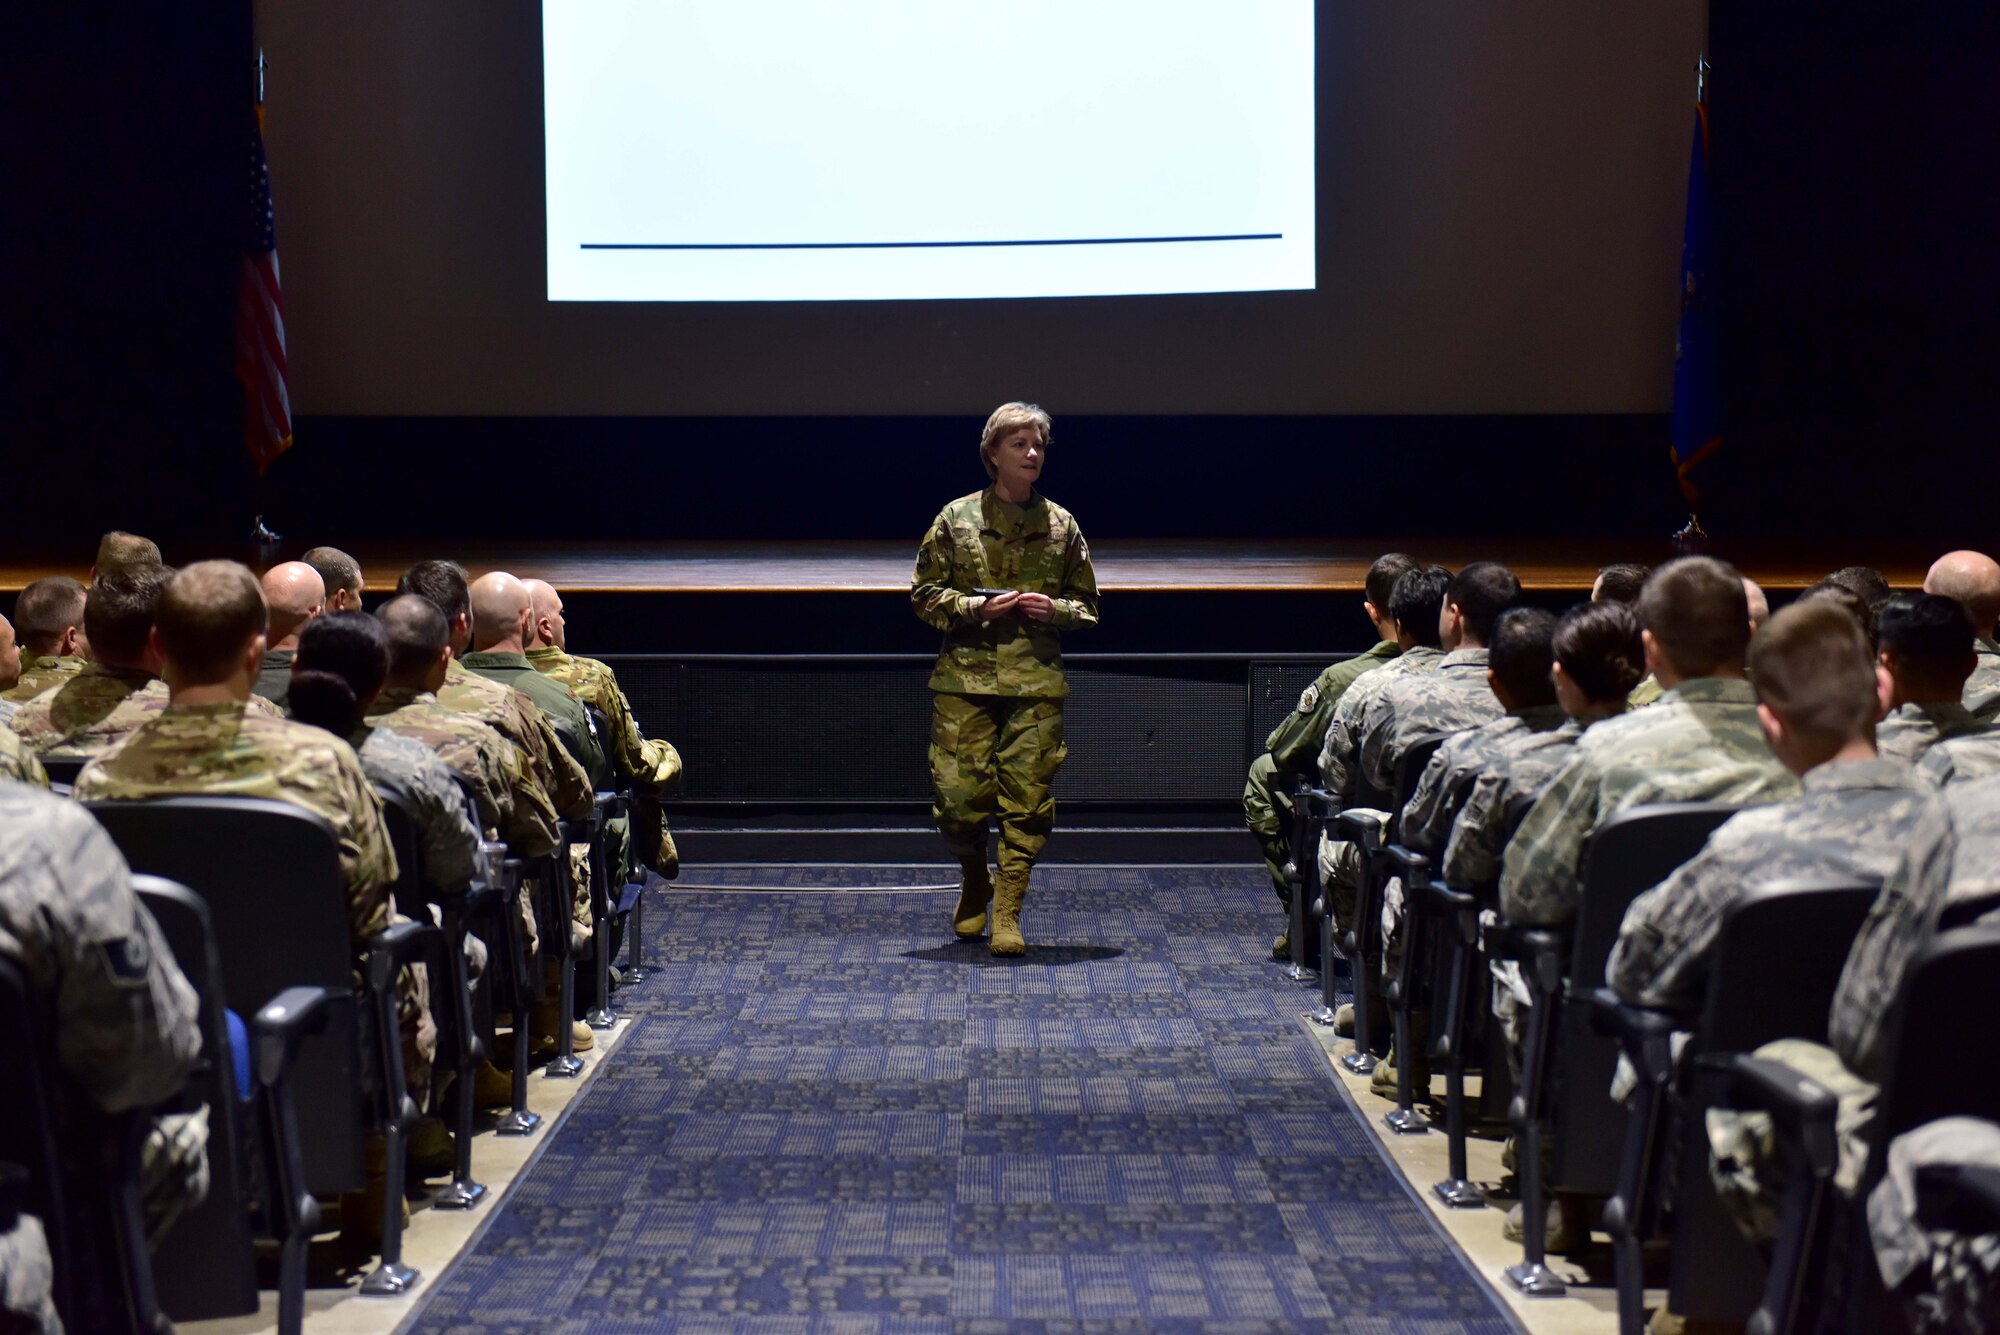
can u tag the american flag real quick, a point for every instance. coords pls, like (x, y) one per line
(260, 319)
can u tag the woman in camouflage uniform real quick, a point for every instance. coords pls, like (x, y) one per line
(1001, 572)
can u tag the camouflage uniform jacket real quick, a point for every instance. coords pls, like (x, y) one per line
(1294, 744)
(511, 803)
(515, 717)
(20, 764)
(1951, 856)
(1454, 769)
(1340, 753)
(1982, 688)
(1970, 755)
(274, 677)
(97, 707)
(1499, 799)
(1647, 692)
(7, 708)
(983, 542)
(1910, 730)
(562, 709)
(1851, 820)
(43, 673)
(124, 1014)
(1700, 743)
(90, 710)
(228, 750)
(448, 839)
(647, 762)
(1454, 698)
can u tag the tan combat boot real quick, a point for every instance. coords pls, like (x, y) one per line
(1008, 892)
(975, 892)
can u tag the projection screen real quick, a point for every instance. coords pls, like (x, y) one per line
(787, 150)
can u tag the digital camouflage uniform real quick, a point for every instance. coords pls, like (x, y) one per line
(1851, 820)
(97, 707)
(562, 709)
(1456, 767)
(447, 837)
(230, 750)
(20, 764)
(274, 677)
(512, 806)
(1948, 1281)
(652, 766)
(1340, 770)
(1499, 799)
(1700, 743)
(573, 725)
(1951, 855)
(1454, 698)
(7, 708)
(997, 708)
(43, 673)
(1293, 748)
(509, 804)
(123, 1014)
(1982, 689)
(1912, 729)
(515, 717)
(1647, 692)
(1960, 759)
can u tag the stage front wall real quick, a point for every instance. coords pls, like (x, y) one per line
(787, 731)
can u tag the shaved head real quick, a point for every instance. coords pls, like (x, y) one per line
(1972, 580)
(10, 656)
(1760, 606)
(501, 609)
(547, 629)
(295, 595)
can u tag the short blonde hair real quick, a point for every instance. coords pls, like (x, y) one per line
(1012, 417)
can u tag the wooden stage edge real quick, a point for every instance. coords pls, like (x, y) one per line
(1123, 565)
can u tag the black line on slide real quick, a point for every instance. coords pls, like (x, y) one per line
(925, 245)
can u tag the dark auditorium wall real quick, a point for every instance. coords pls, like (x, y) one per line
(124, 142)
(1859, 217)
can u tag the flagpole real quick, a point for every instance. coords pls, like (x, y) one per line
(1691, 538)
(264, 544)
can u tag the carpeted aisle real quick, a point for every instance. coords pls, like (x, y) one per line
(833, 1118)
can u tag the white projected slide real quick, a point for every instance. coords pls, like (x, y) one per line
(829, 150)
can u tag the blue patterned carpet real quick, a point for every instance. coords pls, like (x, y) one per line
(832, 1119)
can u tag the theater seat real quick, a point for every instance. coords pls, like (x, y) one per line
(270, 874)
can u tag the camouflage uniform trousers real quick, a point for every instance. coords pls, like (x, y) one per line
(995, 756)
(1750, 1171)
(1268, 810)
(1340, 872)
(1948, 1281)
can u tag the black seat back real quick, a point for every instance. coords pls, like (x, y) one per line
(29, 1116)
(80, 1175)
(1941, 1034)
(1778, 956)
(63, 769)
(1628, 854)
(271, 877)
(401, 823)
(205, 1267)
(1409, 771)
